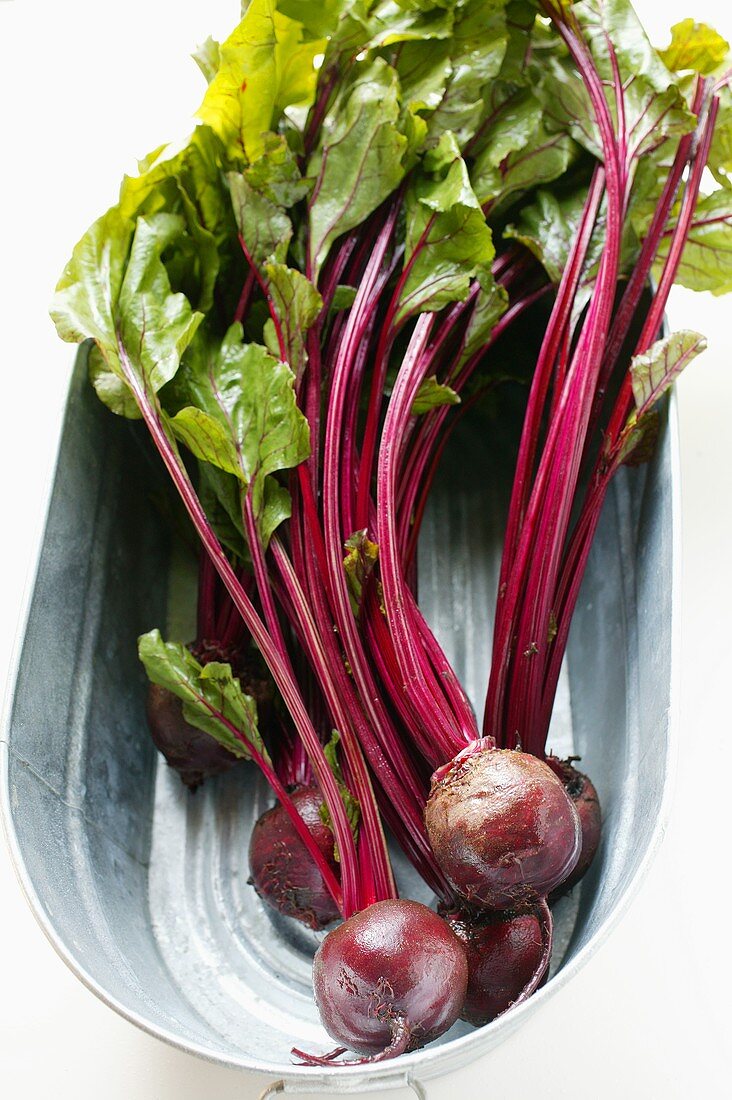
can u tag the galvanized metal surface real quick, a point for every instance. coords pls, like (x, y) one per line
(142, 888)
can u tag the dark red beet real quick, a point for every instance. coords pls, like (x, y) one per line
(503, 830)
(194, 754)
(391, 978)
(508, 958)
(584, 796)
(282, 870)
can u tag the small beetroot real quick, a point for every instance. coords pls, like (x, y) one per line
(508, 958)
(193, 753)
(502, 827)
(389, 979)
(584, 796)
(282, 870)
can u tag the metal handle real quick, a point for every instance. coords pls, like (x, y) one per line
(281, 1087)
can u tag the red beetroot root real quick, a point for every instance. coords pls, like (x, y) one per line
(389, 979)
(194, 754)
(502, 828)
(584, 796)
(508, 958)
(282, 870)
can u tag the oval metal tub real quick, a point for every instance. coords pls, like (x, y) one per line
(142, 888)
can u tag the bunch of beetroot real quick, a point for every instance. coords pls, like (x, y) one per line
(300, 302)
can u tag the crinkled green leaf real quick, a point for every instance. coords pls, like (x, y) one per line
(639, 439)
(448, 240)
(276, 174)
(297, 304)
(477, 51)
(187, 179)
(353, 809)
(706, 262)
(220, 497)
(511, 127)
(490, 305)
(264, 227)
(432, 393)
(212, 698)
(656, 369)
(694, 46)
(654, 105)
(359, 160)
(265, 65)
(208, 58)
(319, 17)
(359, 561)
(542, 158)
(116, 290)
(249, 396)
(424, 69)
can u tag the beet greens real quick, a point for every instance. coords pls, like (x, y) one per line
(300, 302)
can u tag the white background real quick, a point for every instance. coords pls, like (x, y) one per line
(84, 88)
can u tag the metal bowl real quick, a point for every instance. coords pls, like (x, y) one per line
(142, 888)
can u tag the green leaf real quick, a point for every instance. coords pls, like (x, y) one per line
(719, 161)
(116, 290)
(432, 393)
(706, 263)
(212, 698)
(276, 174)
(220, 497)
(548, 227)
(263, 225)
(656, 369)
(544, 157)
(448, 240)
(639, 439)
(353, 809)
(694, 46)
(654, 106)
(490, 305)
(319, 17)
(359, 561)
(265, 65)
(424, 69)
(477, 51)
(207, 438)
(359, 160)
(208, 58)
(297, 305)
(343, 298)
(243, 418)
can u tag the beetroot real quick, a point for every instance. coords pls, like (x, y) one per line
(283, 872)
(584, 796)
(503, 829)
(194, 754)
(508, 958)
(390, 979)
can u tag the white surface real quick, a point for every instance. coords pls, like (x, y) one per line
(83, 88)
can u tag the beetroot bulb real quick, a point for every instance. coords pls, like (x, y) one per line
(508, 958)
(194, 754)
(283, 872)
(503, 829)
(584, 796)
(389, 979)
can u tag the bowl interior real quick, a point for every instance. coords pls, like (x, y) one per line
(143, 887)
